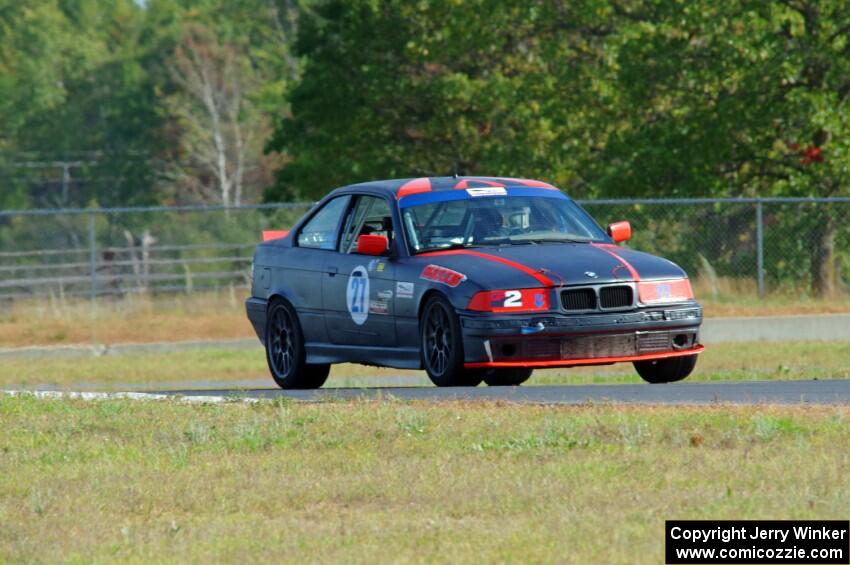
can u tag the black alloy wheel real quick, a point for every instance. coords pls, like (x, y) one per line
(507, 377)
(442, 345)
(666, 370)
(285, 351)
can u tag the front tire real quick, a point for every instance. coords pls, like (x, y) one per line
(441, 343)
(507, 377)
(285, 352)
(666, 370)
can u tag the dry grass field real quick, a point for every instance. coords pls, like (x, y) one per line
(124, 481)
(138, 319)
(134, 319)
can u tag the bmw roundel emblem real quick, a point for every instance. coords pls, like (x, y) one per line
(590, 274)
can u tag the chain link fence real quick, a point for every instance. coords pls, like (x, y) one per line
(791, 246)
(757, 246)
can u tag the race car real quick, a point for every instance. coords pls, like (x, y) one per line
(471, 279)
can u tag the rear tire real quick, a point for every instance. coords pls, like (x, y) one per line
(666, 370)
(285, 352)
(507, 377)
(441, 345)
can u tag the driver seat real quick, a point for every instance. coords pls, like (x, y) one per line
(486, 223)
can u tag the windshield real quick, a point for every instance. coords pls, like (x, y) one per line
(511, 220)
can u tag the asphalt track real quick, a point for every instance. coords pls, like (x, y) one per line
(702, 393)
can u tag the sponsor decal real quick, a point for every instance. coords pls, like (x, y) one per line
(385, 295)
(357, 295)
(376, 266)
(404, 289)
(379, 307)
(442, 275)
(487, 191)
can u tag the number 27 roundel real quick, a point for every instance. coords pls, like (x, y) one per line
(357, 295)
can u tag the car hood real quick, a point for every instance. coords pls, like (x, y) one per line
(528, 266)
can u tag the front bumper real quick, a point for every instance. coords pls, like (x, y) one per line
(558, 340)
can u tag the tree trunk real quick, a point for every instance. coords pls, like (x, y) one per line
(823, 258)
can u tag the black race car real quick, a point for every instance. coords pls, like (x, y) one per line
(472, 279)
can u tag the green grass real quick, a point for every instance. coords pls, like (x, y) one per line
(405, 482)
(800, 360)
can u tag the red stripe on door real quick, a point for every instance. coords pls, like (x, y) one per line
(608, 248)
(541, 278)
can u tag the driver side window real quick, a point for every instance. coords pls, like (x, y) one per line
(370, 215)
(321, 231)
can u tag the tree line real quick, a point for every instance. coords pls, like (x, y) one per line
(170, 101)
(130, 102)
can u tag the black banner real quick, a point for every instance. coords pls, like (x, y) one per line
(767, 542)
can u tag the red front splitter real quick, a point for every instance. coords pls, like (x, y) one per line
(577, 362)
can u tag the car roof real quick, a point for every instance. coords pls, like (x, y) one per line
(405, 187)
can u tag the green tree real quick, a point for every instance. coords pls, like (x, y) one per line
(87, 92)
(226, 75)
(735, 98)
(397, 89)
(76, 96)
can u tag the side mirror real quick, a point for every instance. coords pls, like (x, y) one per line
(372, 244)
(620, 231)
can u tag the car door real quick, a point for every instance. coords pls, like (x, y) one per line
(302, 274)
(358, 289)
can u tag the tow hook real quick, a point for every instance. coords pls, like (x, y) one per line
(532, 329)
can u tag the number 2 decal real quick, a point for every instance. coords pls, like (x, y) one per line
(357, 295)
(513, 299)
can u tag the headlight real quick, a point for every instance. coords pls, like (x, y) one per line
(520, 300)
(661, 292)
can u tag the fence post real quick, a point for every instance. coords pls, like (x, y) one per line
(93, 256)
(760, 245)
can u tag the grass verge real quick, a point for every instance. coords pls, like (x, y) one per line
(361, 482)
(138, 319)
(732, 361)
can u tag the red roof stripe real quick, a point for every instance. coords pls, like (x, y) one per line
(465, 183)
(541, 278)
(414, 186)
(531, 183)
